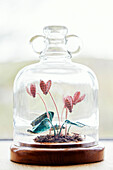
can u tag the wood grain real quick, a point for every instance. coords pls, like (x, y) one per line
(6, 164)
(56, 156)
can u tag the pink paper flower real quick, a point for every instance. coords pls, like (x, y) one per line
(32, 90)
(77, 98)
(45, 87)
(68, 103)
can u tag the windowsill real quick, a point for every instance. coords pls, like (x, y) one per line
(5, 162)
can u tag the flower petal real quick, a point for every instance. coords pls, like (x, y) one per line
(28, 91)
(69, 103)
(48, 85)
(76, 97)
(81, 98)
(33, 90)
(43, 86)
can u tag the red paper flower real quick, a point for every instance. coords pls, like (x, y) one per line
(68, 102)
(32, 90)
(77, 98)
(45, 87)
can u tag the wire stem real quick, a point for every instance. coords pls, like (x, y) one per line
(44, 105)
(66, 119)
(56, 108)
(62, 114)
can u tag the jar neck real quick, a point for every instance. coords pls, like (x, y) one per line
(55, 51)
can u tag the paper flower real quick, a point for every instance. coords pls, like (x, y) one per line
(45, 87)
(68, 103)
(77, 98)
(32, 90)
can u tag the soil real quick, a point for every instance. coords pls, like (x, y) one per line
(59, 139)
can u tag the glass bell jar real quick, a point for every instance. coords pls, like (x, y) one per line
(56, 100)
(56, 117)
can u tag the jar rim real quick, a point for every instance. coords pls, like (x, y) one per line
(53, 29)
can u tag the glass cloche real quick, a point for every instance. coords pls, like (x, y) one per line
(56, 100)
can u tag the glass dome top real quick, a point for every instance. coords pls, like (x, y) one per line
(56, 101)
(55, 31)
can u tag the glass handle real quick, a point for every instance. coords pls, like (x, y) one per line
(78, 42)
(32, 42)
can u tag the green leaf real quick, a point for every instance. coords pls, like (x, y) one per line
(42, 117)
(44, 125)
(76, 123)
(71, 123)
(80, 124)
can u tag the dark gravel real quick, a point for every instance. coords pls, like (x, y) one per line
(59, 139)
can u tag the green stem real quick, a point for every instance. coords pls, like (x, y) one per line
(62, 116)
(61, 127)
(52, 126)
(69, 128)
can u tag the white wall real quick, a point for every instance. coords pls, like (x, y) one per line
(92, 20)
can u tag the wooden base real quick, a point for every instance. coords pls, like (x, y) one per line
(56, 156)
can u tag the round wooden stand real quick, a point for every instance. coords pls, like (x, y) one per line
(33, 154)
